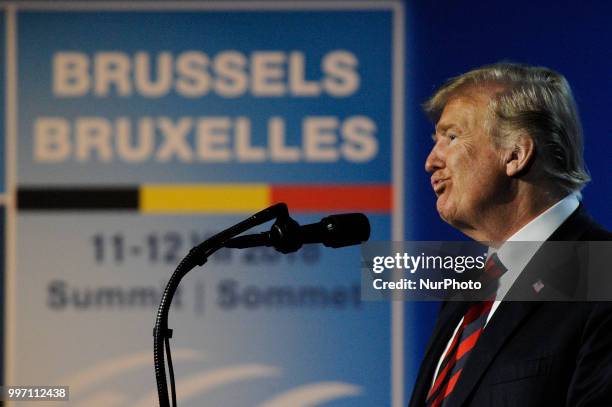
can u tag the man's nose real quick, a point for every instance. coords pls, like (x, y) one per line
(434, 160)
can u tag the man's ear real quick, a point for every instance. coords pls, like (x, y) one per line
(521, 156)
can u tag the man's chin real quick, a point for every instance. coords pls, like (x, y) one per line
(449, 216)
(448, 220)
(445, 216)
(443, 210)
(459, 224)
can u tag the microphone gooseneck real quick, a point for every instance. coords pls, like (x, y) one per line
(286, 236)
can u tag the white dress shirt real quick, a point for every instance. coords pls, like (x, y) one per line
(516, 257)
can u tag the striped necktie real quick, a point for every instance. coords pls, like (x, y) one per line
(464, 340)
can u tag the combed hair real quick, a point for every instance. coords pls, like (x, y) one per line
(526, 100)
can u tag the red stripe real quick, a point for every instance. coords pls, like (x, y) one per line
(450, 386)
(476, 311)
(441, 377)
(449, 365)
(316, 198)
(468, 343)
(437, 401)
(451, 383)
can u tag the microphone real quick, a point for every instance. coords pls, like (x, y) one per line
(287, 236)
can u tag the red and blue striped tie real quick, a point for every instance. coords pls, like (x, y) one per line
(464, 341)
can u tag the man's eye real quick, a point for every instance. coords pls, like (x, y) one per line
(451, 136)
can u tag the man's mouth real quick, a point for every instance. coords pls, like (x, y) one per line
(438, 185)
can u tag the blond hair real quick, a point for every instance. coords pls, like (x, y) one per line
(530, 100)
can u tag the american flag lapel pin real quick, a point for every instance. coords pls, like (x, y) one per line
(537, 286)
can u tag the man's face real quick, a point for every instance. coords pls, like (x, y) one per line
(468, 171)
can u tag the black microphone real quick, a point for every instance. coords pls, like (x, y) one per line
(287, 236)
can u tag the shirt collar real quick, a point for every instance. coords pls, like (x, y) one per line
(544, 225)
(516, 256)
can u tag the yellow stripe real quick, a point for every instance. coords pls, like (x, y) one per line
(210, 198)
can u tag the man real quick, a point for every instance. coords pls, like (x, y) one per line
(507, 165)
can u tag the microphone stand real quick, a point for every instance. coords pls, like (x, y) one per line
(197, 256)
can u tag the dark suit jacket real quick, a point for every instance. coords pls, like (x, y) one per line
(533, 354)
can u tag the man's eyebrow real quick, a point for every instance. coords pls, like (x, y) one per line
(444, 127)
(441, 127)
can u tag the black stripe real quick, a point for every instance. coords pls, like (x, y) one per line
(77, 198)
(475, 325)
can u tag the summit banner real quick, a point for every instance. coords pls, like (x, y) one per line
(144, 128)
(214, 96)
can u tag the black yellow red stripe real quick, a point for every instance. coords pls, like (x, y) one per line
(208, 198)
